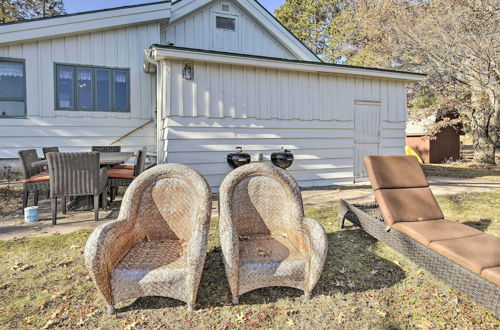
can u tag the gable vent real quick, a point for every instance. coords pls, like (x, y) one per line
(225, 8)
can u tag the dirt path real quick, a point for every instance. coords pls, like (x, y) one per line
(14, 227)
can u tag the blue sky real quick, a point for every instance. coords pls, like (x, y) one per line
(73, 6)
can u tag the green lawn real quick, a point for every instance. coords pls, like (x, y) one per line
(365, 284)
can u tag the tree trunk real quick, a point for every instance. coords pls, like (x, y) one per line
(484, 138)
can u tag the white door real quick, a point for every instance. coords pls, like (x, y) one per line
(366, 135)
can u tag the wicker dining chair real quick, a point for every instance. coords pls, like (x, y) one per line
(76, 174)
(107, 148)
(265, 238)
(157, 246)
(34, 180)
(123, 177)
(46, 150)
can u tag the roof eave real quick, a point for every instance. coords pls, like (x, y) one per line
(83, 22)
(159, 52)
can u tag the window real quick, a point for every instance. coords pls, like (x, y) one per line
(92, 88)
(225, 23)
(12, 88)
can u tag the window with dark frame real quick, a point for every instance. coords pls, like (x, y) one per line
(12, 88)
(225, 23)
(92, 88)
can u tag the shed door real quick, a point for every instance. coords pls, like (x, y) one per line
(366, 135)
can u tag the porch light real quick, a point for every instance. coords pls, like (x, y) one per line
(188, 72)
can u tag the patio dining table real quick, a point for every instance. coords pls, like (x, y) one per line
(86, 203)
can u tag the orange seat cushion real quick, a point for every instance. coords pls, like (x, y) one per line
(121, 173)
(394, 172)
(124, 167)
(43, 176)
(492, 274)
(426, 232)
(408, 204)
(475, 253)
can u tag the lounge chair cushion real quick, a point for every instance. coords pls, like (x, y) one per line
(492, 274)
(475, 253)
(43, 176)
(410, 204)
(426, 232)
(121, 173)
(395, 172)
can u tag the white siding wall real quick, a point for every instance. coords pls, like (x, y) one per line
(262, 110)
(77, 130)
(198, 31)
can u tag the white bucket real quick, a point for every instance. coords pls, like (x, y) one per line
(31, 214)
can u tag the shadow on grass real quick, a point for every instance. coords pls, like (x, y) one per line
(482, 224)
(351, 266)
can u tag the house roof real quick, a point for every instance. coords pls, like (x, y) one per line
(56, 26)
(158, 52)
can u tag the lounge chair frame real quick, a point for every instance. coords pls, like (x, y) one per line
(472, 285)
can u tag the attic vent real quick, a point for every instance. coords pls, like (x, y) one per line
(225, 7)
(225, 23)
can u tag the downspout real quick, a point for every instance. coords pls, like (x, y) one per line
(151, 66)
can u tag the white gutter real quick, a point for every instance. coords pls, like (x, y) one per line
(158, 54)
(83, 23)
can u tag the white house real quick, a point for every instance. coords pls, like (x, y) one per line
(192, 80)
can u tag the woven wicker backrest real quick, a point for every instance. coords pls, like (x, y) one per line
(27, 158)
(73, 173)
(46, 150)
(140, 161)
(107, 148)
(261, 199)
(167, 201)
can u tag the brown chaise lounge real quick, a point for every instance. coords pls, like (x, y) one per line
(408, 219)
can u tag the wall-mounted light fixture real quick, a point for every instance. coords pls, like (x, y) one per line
(188, 71)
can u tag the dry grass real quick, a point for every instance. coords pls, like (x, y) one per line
(365, 284)
(464, 170)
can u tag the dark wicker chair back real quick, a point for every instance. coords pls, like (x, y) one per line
(27, 158)
(73, 173)
(107, 148)
(46, 150)
(140, 161)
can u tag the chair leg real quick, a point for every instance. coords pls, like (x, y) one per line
(307, 295)
(104, 199)
(26, 195)
(35, 199)
(54, 210)
(96, 207)
(236, 300)
(64, 205)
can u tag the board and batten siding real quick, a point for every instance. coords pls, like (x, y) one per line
(77, 130)
(263, 109)
(198, 31)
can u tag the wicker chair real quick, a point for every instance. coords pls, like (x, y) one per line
(34, 180)
(123, 177)
(46, 150)
(265, 238)
(76, 174)
(157, 246)
(107, 148)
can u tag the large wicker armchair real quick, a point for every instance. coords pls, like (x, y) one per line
(157, 246)
(265, 238)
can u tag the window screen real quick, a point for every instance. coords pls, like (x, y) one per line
(225, 23)
(12, 88)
